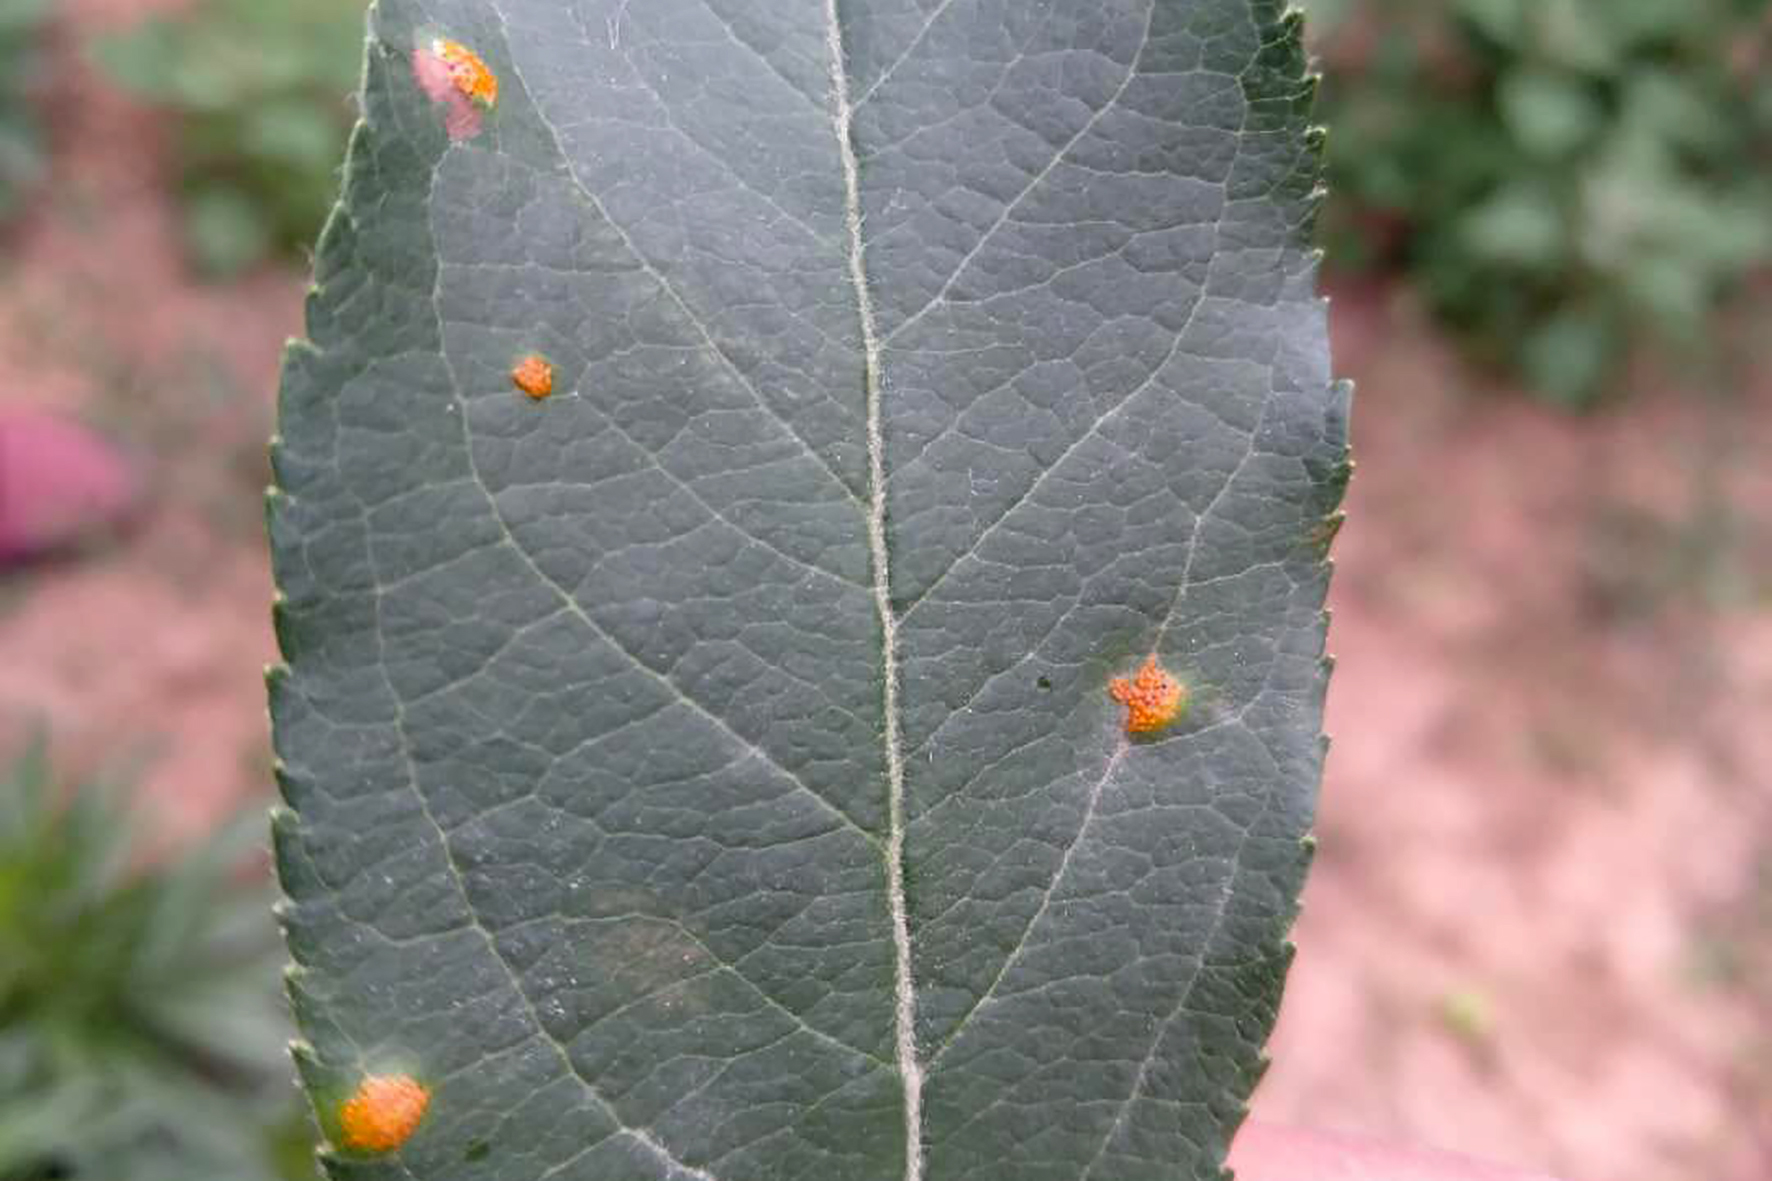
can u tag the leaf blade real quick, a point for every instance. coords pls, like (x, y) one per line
(587, 732)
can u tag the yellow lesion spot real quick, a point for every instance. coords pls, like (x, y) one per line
(534, 376)
(1153, 698)
(468, 72)
(383, 1113)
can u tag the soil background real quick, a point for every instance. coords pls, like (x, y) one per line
(1539, 929)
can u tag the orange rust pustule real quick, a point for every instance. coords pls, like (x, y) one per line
(468, 72)
(383, 1113)
(1153, 699)
(534, 376)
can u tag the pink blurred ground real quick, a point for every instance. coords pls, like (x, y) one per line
(1540, 926)
(1541, 915)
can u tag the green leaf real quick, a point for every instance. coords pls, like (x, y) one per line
(226, 230)
(1551, 114)
(1501, 20)
(1576, 33)
(23, 53)
(1568, 354)
(710, 770)
(1522, 225)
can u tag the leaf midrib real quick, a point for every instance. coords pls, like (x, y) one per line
(904, 990)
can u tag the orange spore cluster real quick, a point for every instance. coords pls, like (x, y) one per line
(468, 72)
(1153, 699)
(383, 1113)
(534, 376)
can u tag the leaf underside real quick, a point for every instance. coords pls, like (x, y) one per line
(709, 770)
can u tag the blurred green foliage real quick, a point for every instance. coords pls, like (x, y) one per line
(22, 25)
(261, 94)
(1563, 179)
(141, 1027)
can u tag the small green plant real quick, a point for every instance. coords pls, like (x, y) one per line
(141, 1031)
(260, 92)
(1564, 179)
(22, 23)
(1468, 1015)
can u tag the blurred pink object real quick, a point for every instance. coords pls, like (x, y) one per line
(1263, 1152)
(59, 483)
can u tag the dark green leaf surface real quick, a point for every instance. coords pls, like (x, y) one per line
(709, 771)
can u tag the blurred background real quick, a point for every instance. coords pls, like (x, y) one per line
(1540, 925)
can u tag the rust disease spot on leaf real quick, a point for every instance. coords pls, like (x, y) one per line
(383, 1113)
(468, 73)
(460, 80)
(1153, 699)
(534, 376)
